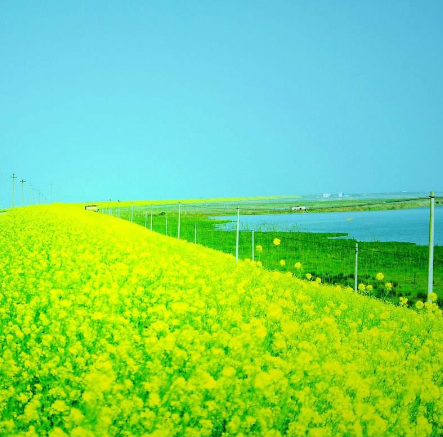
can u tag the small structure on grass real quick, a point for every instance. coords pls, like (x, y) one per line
(91, 208)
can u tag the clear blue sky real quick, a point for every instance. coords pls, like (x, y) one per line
(172, 99)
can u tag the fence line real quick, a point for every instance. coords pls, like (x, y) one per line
(303, 254)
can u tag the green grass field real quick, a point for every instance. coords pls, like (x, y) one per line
(404, 265)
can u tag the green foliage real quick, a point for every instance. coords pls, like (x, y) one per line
(323, 255)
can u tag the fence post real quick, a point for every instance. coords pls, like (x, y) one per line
(253, 247)
(431, 246)
(195, 234)
(151, 217)
(356, 268)
(179, 213)
(166, 227)
(238, 234)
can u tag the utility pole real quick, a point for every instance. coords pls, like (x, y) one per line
(179, 217)
(356, 269)
(23, 192)
(14, 177)
(431, 246)
(237, 239)
(253, 246)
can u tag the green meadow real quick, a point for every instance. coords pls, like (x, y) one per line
(316, 255)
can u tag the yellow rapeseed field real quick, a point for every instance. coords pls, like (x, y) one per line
(107, 329)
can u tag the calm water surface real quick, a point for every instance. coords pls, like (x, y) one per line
(403, 225)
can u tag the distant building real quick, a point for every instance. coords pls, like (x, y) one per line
(91, 208)
(298, 208)
(340, 194)
(326, 195)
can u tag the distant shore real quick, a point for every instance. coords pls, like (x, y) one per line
(369, 205)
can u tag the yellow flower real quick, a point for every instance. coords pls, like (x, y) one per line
(432, 297)
(369, 287)
(75, 416)
(361, 287)
(429, 305)
(156, 336)
(57, 432)
(379, 276)
(282, 262)
(277, 241)
(388, 286)
(419, 305)
(59, 406)
(274, 311)
(259, 248)
(233, 425)
(81, 432)
(31, 412)
(318, 280)
(228, 371)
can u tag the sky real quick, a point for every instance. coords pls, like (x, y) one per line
(171, 99)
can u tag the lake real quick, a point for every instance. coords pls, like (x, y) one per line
(402, 225)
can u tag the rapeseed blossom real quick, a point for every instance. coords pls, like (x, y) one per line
(432, 297)
(108, 329)
(403, 301)
(277, 241)
(379, 276)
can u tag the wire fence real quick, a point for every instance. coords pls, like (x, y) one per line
(385, 269)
